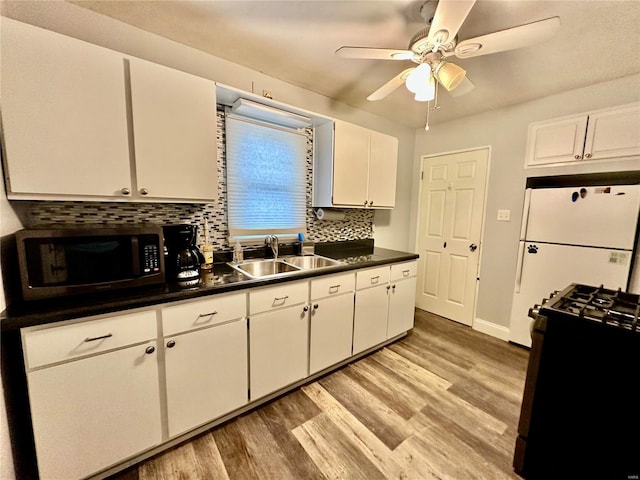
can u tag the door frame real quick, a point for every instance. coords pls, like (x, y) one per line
(423, 159)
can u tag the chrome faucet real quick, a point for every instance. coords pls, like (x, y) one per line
(272, 241)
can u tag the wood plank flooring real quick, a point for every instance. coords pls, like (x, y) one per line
(442, 403)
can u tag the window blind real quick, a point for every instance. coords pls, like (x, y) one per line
(266, 179)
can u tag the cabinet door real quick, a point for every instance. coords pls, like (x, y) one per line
(402, 299)
(89, 414)
(350, 164)
(174, 125)
(63, 114)
(613, 133)
(278, 346)
(331, 331)
(206, 373)
(383, 164)
(556, 141)
(370, 317)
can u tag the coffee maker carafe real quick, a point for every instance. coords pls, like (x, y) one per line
(183, 258)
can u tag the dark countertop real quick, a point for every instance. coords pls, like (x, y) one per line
(221, 279)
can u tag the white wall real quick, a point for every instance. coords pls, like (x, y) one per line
(506, 131)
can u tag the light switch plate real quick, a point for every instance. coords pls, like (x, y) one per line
(504, 215)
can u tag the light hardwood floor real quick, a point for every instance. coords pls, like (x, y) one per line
(442, 403)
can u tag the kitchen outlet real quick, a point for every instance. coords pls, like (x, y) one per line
(504, 215)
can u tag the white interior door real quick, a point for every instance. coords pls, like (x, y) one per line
(449, 232)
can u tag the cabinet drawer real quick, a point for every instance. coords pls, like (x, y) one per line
(55, 344)
(372, 277)
(203, 313)
(332, 285)
(283, 295)
(403, 270)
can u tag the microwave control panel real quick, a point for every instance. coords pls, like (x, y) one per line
(150, 257)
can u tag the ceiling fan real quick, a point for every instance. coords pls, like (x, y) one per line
(438, 41)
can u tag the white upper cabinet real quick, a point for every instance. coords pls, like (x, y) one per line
(82, 122)
(354, 167)
(601, 135)
(174, 130)
(63, 115)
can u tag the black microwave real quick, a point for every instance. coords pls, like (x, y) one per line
(70, 261)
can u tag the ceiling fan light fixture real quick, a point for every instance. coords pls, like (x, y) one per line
(449, 75)
(418, 79)
(427, 91)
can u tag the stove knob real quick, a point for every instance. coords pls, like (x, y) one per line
(545, 300)
(534, 311)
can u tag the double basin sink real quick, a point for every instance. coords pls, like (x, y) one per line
(283, 266)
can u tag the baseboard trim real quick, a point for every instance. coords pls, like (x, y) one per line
(493, 329)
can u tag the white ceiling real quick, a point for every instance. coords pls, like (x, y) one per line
(295, 41)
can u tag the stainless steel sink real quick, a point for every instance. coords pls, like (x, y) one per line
(311, 262)
(264, 268)
(283, 266)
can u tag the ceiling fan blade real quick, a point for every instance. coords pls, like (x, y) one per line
(391, 85)
(465, 87)
(374, 53)
(510, 39)
(449, 17)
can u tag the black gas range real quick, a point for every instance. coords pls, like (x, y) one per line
(580, 415)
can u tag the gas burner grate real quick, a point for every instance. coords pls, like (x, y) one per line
(610, 307)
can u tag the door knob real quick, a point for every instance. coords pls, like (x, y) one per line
(473, 247)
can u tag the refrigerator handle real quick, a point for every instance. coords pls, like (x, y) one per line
(525, 214)
(519, 267)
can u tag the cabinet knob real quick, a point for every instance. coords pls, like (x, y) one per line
(371, 203)
(577, 157)
(144, 191)
(125, 191)
(393, 287)
(365, 203)
(587, 155)
(149, 350)
(171, 343)
(306, 308)
(315, 306)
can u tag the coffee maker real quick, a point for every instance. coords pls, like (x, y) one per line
(182, 257)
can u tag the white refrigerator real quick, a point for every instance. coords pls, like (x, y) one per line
(572, 235)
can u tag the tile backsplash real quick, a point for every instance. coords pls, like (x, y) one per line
(357, 224)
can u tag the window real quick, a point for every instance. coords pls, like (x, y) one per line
(266, 179)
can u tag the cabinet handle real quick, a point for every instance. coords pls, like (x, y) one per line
(101, 337)
(149, 350)
(334, 288)
(405, 273)
(125, 191)
(365, 203)
(375, 279)
(371, 203)
(283, 300)
(306, 308)
(577, 157)
(394, 288)
(144, 191)
(587, 155)
(388, 288)
(210, 314)
(171, 343)
(315, 306)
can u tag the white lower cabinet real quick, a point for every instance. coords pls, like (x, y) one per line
(331, 327)
(205, 359)
(402, 298)
(94, 412)
(278, 337)
(370, 317)
(206, 374)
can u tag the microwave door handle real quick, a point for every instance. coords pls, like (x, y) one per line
(519, 267)
(135, 253)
